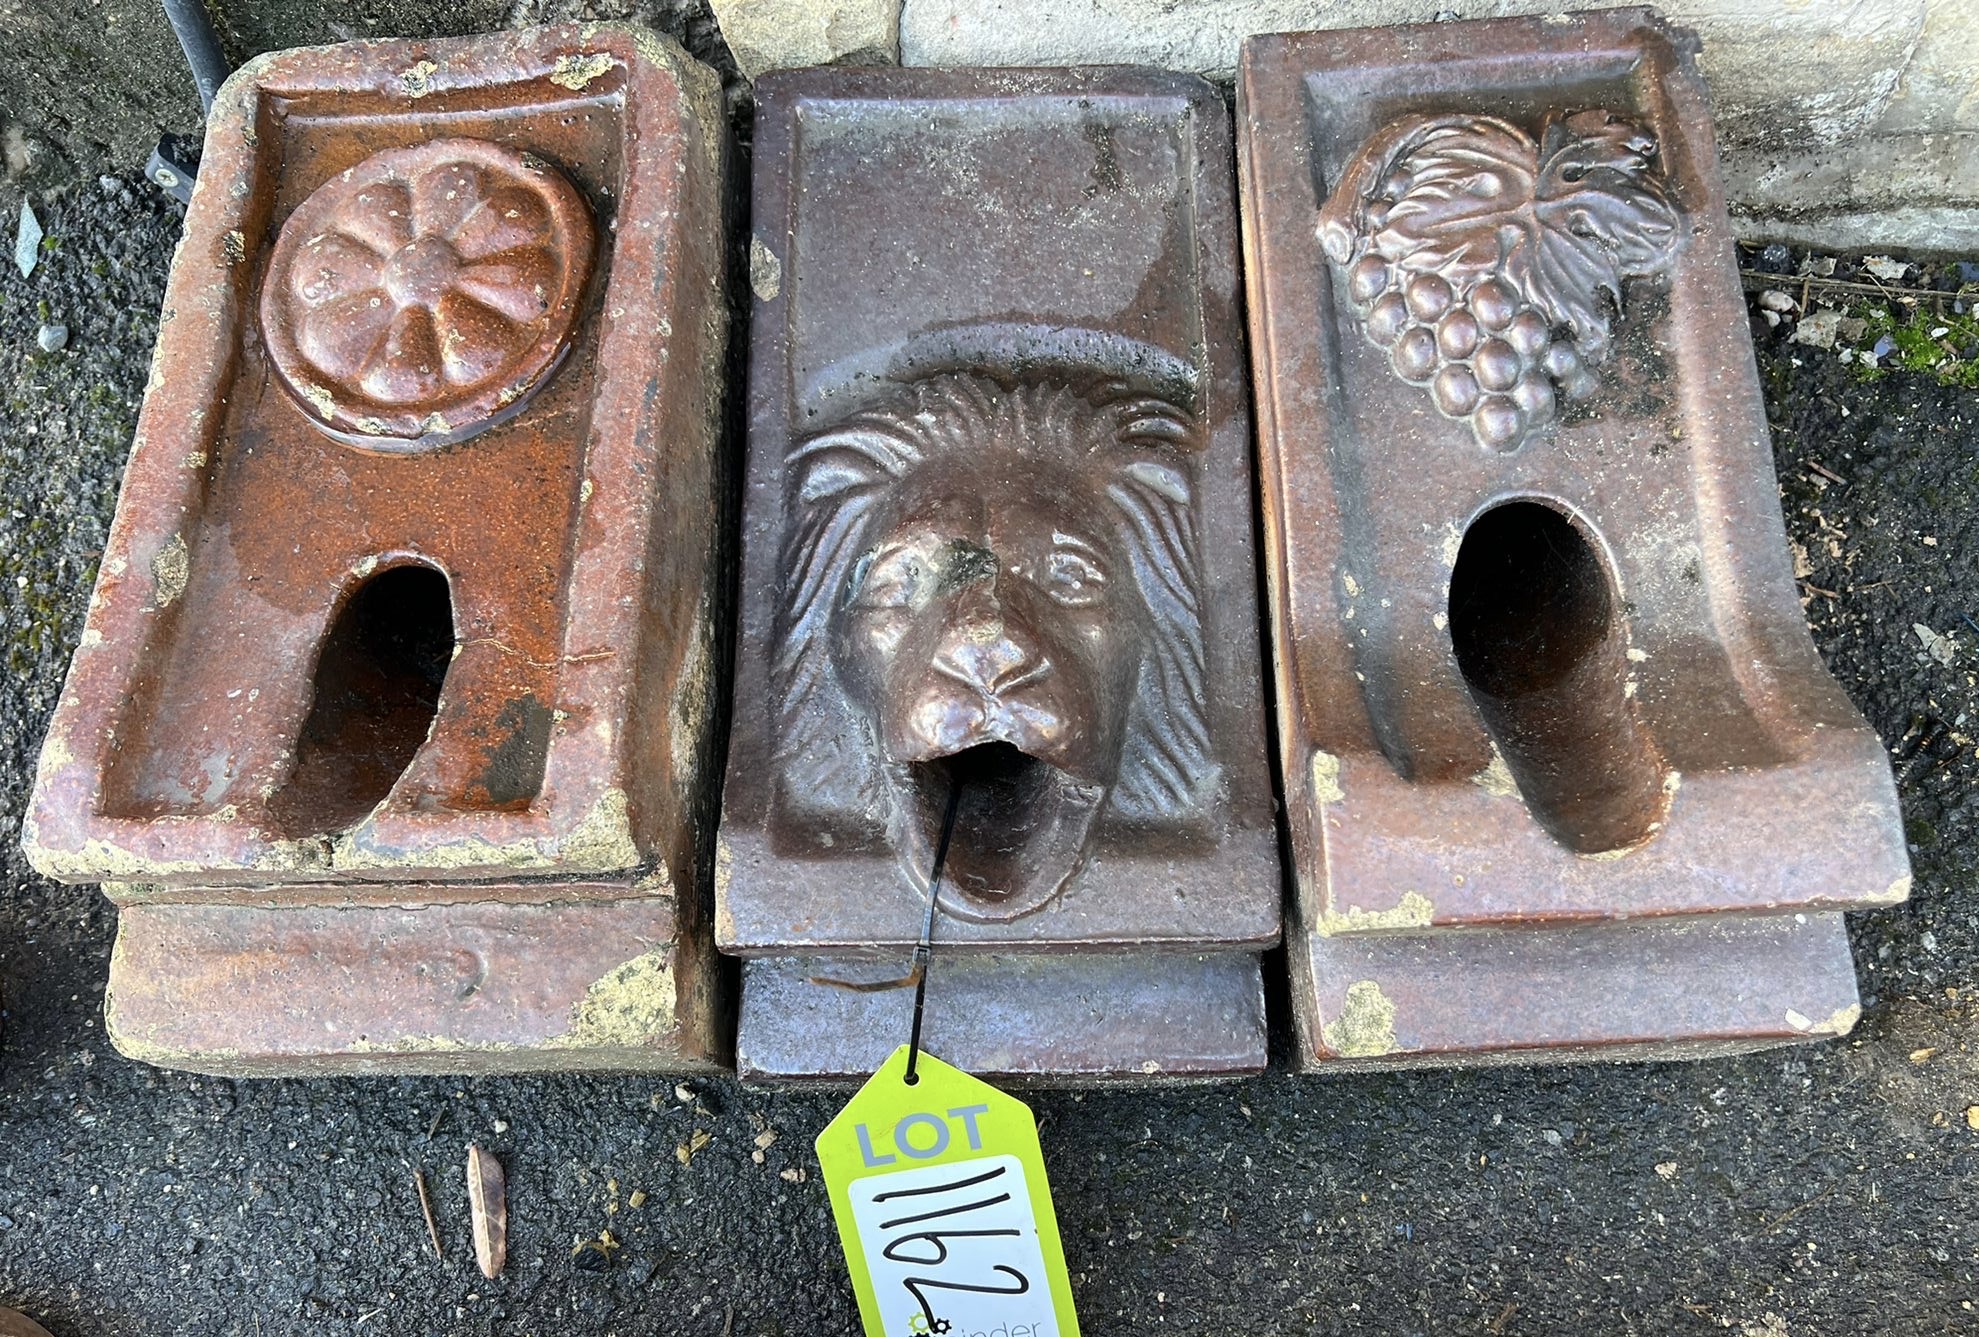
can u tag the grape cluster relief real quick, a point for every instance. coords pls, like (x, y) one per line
(1490, 264)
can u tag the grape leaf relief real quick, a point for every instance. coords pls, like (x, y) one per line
(1490, 264)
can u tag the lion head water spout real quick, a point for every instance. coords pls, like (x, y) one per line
(997, 575)
(1020, 834)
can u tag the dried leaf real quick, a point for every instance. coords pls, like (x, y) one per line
(487, 1201)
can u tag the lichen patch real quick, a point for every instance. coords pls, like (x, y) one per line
(1496, 778)
(631, 1007)
(724, 868)
(1365, 1027)
(1453, 543)
(418, 81)
(1326, 778)
(603, 840)
(765, 270)
(170, 570)
(575, 72)
(1413, 910)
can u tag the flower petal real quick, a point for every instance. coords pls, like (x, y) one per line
(408, 371)
(443, 198)
(507, 218)
(331, 265)
(475, 340)
(520, 283)
(341, 337)
(378, 216)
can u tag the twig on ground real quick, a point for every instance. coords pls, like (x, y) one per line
(1760, 279)
(1792, 1212)
(426, 1210)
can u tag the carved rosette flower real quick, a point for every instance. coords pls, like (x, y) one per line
(422, 295)
(1490, 264)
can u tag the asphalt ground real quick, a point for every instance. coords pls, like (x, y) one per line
(1819, 1190)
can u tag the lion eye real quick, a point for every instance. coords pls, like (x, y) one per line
(1073, 579)
(892, 579)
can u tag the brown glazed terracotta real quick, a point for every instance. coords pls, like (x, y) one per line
(1564, 775)
(997, 530)
(395, 704)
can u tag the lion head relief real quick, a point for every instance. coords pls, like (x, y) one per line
(996, 585)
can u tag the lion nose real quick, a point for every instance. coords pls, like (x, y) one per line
(982, 648)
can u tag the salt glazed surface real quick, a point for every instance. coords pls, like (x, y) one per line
(1490, 263)
(997, 544)
(422, 294)
(973, 585)
(1564, 777)
(392, 725)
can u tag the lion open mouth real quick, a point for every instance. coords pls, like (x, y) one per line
(1020, 828)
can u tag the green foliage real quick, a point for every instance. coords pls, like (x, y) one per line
(1943, 344)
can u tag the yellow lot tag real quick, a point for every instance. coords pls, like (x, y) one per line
(940, 1197)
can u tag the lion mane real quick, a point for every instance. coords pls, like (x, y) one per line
(826, 753)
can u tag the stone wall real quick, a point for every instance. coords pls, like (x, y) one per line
(1850, 123)
(1843, 122)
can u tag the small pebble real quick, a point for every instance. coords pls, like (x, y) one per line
(52, 338)
(27, 241)
(1818, 330)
